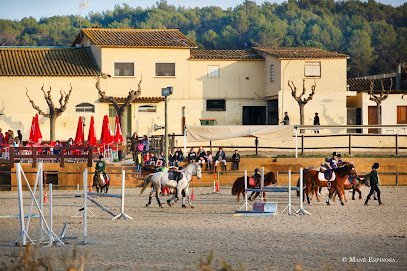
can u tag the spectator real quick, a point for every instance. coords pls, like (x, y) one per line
(236, 160)
(16, 142)
(220, 157)
(201, 156)
(153, 159)
(20, 136)
(209, 160)
(171, 159)
(146, 144)
(160, 160)
(133, 146)
(316, 122)
(146, 158)
(6, 138)
(69, 144)
(57, 148)
(374, 181)
(192, 156)
(286, 120)
(1, 137)
(178, 157)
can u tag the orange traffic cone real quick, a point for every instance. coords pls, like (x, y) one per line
(45, 197)
(217, 186)
(192, 194)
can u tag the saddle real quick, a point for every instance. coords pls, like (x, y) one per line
(326, 174)
(175, 176)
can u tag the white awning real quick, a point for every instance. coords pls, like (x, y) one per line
(212, 133)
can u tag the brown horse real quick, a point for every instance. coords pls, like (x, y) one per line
(238, 185)
(355, 186)
(147, 169)
(99, 184)
(312, 183)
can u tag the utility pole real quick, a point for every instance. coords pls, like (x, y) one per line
(166, 92)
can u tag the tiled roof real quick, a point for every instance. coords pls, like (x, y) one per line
(363, 85)
(225, 55)
(137, 100)
(37, 61)
(109, 37)
(300, 53)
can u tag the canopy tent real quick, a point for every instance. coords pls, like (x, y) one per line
(211, 133)
(91, 135)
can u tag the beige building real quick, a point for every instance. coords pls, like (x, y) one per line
(225, 87)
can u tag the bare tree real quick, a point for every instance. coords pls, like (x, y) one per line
(379, 98)
(133, 94)
(54, 112)
(302, 101)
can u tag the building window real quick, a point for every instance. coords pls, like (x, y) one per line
(401, 114)
(215, 105)
(164, 69)
(272, 73)
(147, 108)
(123, 69)
(85, 107)
(213, 71)
(312, 69)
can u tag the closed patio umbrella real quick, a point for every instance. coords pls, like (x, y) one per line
(35, 132)
(80, 135)
(92, 135)
(105, 137)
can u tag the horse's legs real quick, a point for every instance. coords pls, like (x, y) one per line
(353, 192)
(149, 198)
(158, 198)
(316, 193)
(330, 193)
(183, 199)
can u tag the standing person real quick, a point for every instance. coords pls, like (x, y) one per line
(236, 160)
(178, 157)
(146, 144)
(1, 137)
(220, 157)
(133, 146)
(374, 181)
(316, 122)
(192, 156)
(286, 120)
(209, 160)
(20, 136)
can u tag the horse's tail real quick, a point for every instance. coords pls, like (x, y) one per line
(147, 181)
(235, 187)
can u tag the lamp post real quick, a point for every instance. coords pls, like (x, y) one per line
(166, 92)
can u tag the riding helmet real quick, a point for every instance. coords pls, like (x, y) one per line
(375, 165)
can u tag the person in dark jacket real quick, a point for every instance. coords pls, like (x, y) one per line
(374, 181)
(236, 160)
(316, 122)
(220, 157)
(178, 157)
(192, 156)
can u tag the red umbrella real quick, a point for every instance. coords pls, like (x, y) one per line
(35, 132)
(80, 135)
(118, 136)
(91, 135)
(105, 137)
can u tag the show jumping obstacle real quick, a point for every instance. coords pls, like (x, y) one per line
(122, 214)
(271, 207)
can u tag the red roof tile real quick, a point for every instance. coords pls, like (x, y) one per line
(225, 55)
(300, 53)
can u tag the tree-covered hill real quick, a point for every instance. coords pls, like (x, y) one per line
(373, 34)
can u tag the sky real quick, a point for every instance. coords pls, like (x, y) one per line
(18, 9)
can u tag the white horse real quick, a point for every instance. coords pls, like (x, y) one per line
(160, 179)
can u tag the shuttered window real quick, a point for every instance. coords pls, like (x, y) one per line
(312, 69)
(401, 114)
(164, 69)
(123, 69)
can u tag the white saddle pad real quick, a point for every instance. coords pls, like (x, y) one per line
(321, 177)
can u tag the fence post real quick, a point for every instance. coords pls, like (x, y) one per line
(256, 143)
(90, 156)
(397, 144)
(11, 156)
(302, 144)
(350, 144)
(34, 152)
(62, 156)
(397, 179)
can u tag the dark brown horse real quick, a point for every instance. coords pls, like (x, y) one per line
(312, 183)
(147, 169)
(238, 185)
(99, 183)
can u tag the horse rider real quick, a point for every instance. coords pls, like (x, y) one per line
(328, 167)
(374, 181)
(100, 168)
(256, 176)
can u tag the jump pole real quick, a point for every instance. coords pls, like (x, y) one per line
(85, 206)
(23, 233)
(302, 211)
(289, 207)
(122, 214)
(246, 204)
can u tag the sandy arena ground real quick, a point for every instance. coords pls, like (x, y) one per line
(176, 239)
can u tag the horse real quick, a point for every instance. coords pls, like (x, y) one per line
(312, 182)
(160, 179)
(147, 169)
(238, 185)
(355, 186)
(99, 183)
